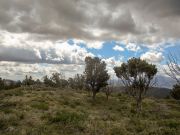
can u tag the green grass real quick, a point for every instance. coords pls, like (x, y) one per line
(50, 111)
(40, 105)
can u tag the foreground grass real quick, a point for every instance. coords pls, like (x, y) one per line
(49, 111)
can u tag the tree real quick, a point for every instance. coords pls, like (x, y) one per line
(47, 81)
(71, 83)
(63, 83)
(96, 75)
(38, 82)
(2, 85)
(173, 71)
(78, 82)
(175, 92)
(28, 81)
(18, 83)
(58, 80)
(56, 77)
(137, 76)
(109, 88)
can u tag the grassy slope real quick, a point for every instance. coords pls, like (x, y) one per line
(62, 112)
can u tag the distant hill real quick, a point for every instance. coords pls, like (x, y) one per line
(156, 92)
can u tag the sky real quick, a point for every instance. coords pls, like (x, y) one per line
(39, 37)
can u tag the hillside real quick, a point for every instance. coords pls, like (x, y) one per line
(49, 111)
(158, 92)
(155, 92)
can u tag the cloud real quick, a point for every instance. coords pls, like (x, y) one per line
(95, 44)
(93, 20)
(118, 48)
(17, 70)
(111, 63)
(132, 47)
(19, 48)
(153, 57)
(34, 31)
(89, 44)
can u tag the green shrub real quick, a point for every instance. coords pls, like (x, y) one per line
(15, 92)
(67, 117)
(136, 125)
(6, 107)
(71, 119)
(172, 123)
(8, 120)
(40, 105)
(118, 131)
(165, 131)
(175, 93)
(40, 130)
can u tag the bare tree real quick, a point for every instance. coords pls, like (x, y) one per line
(173, 70)
(78, 82)
(109, 88)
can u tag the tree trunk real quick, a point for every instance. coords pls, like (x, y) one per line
(138, 106)
(89, 93)
(107, 96)
(139, 103)
(94, 95)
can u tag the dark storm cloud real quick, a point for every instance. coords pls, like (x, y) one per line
(63, 19)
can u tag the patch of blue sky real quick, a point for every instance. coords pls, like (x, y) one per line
(107, 50)
(173, 49)
(70, 41)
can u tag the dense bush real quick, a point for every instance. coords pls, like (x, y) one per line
(78, 82)
(175, 93)
(96, 74)
(56, 80)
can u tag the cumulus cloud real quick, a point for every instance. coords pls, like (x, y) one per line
(89, 44)
(132, 47)
(95, 44)
(17, 70)
(111, 63)
(153, 57)
(19, 48)
(118, 48)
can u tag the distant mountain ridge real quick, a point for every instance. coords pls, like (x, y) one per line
(156, 92)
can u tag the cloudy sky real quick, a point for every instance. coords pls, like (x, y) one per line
(39, 37)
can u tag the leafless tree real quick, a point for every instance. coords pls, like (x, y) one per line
(173, 70)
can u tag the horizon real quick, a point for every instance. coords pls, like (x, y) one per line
(38, 38)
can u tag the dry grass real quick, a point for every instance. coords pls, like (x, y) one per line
(49, 111)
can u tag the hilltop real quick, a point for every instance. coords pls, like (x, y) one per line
(52, 111)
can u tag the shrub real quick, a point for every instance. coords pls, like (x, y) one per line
(70, 119)
(175, 93)
(8, 120)
(40, 105)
